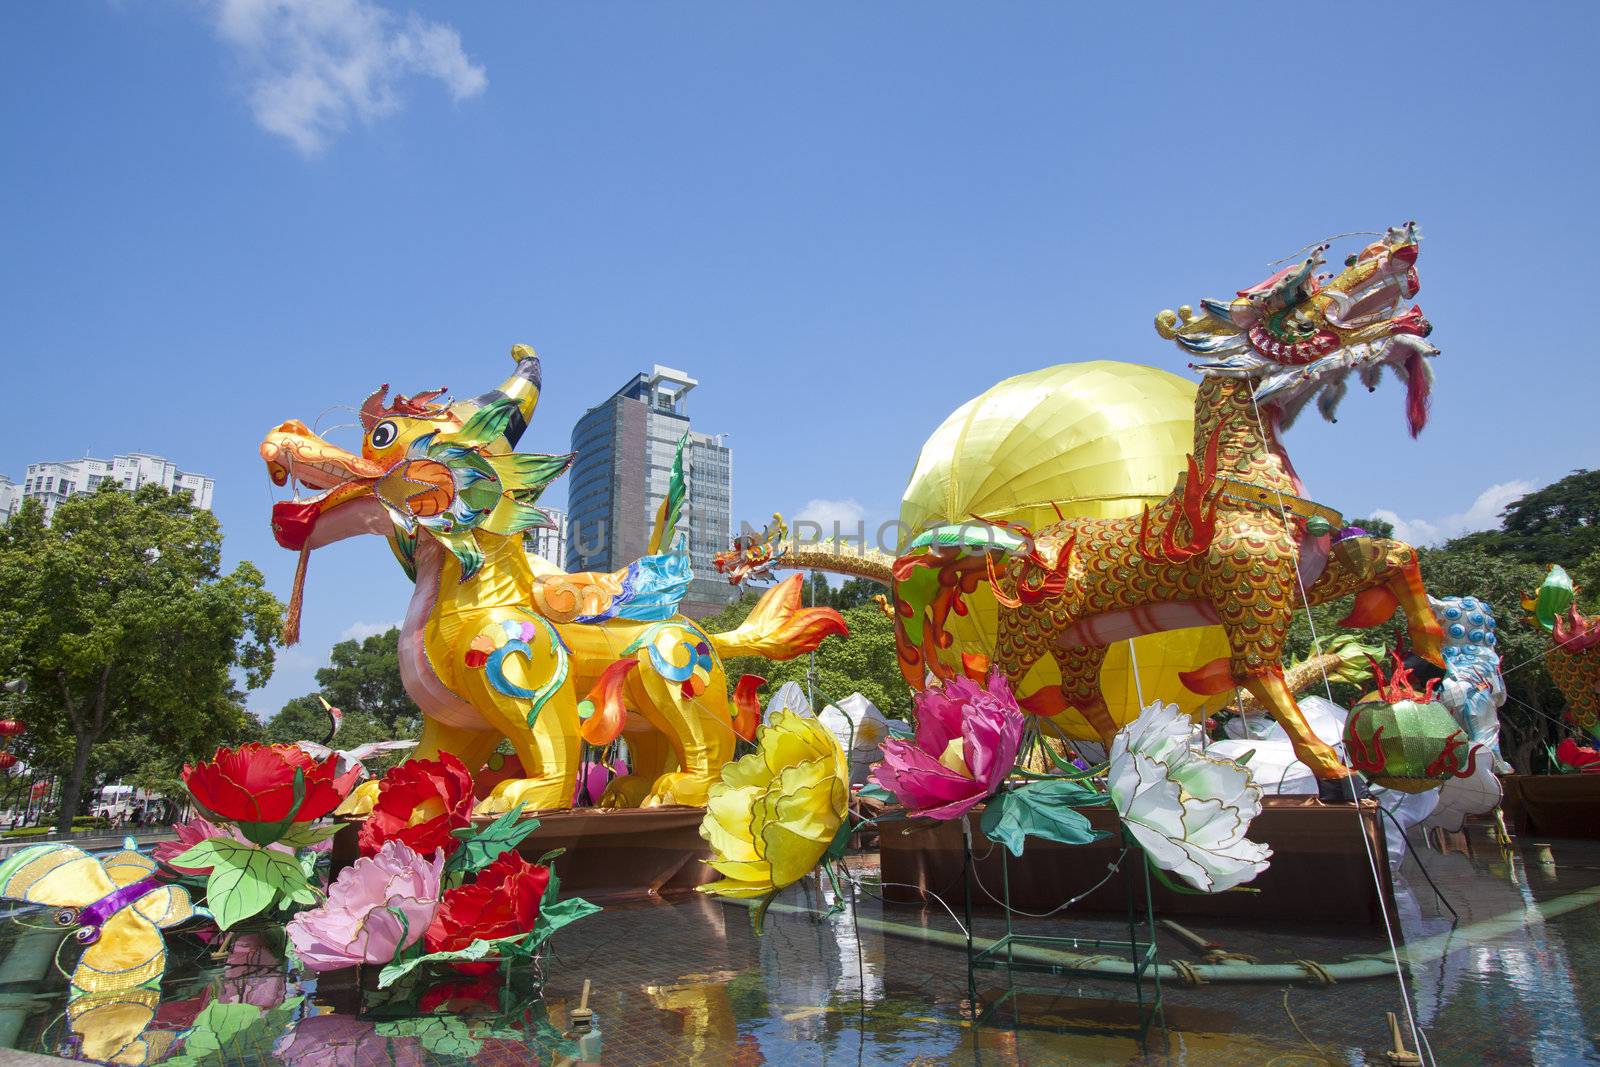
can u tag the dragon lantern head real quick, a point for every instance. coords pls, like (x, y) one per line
(752, 556)
(1300, 333)
(426, 468)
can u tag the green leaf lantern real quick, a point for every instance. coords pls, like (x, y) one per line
(1405, 740)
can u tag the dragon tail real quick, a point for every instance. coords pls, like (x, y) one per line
(779, 627)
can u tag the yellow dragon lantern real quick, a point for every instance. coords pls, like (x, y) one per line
(1235, 541)
(492, 649)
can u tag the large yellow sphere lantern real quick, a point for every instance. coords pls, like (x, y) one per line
(1094, 440)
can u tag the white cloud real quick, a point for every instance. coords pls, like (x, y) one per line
(1484, 514)
(360, 631)
(849, 514)
(312, 66)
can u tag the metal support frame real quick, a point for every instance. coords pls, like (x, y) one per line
(1000, 955)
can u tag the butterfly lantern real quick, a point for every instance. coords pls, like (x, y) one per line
(114, 901)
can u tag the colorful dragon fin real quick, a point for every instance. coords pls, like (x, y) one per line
(522, 480)
(652, 589)
(486, 426)
(602, 712)
(464, 547)
(1553, 597)
(665, 531)
(779, 628)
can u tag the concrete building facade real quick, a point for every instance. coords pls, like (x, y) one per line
(550, 543)
(52, 482)
(10, 498)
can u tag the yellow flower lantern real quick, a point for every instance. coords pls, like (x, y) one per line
(776, 812)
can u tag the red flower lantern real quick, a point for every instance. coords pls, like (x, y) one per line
(264, 789)
(421, 804)
(503, 902)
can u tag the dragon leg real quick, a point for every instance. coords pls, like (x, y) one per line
(1256, 627)
(510, 690)
(650, 755)
(1079, 691)
(697, 727)
(549, 754)
(1384, 575)
(1270, 690)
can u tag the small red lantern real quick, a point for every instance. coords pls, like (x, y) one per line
(7, 761)
(12, 728)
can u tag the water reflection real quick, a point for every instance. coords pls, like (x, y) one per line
(1523, 990)
(116, 1027)
(688, 982)
(251, 1009)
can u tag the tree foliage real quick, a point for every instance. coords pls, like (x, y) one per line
(852, 593)
(121, 619)
(364, 677)
(1557, 524)
(362, 680)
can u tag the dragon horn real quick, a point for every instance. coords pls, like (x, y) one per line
(522, 386)
(372, 407)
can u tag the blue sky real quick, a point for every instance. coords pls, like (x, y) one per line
(844, 219)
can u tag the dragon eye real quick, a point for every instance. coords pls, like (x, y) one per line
(383, 434)
(66, 917)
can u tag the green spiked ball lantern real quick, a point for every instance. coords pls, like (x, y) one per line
(1405, 740)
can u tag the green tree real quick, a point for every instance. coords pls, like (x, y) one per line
(1375, 526)
(865, 662)
(851, 593)
(364, 677)
(119, 615)
(1557, 524)
(300, 719)
(362, 680)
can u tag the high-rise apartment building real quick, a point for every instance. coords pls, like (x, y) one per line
(550, 542)
(625, 448)
(10, 498)
(50, 483)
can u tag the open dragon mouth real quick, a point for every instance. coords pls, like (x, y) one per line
(1377, 299)
(297, 457)
(293, 521)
